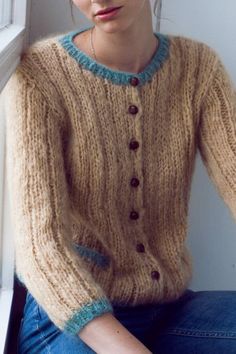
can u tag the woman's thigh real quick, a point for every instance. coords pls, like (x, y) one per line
(198, 323)
(201, 322)
(39, 335)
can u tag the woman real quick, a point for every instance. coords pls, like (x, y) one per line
(103, 125)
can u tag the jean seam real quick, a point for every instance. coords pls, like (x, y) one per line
(42, 337)
(198, 333)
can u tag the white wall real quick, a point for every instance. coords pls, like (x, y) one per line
(52, 16)
(212, 231)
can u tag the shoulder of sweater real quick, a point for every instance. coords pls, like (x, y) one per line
(40, 56)
(190, 44)
(194, 58)
(186, 47)
(37, 66)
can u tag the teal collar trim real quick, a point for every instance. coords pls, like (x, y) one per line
(116, 76)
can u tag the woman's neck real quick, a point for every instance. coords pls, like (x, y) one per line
(130, 51)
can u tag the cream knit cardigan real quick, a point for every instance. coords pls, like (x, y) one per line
(99, 168)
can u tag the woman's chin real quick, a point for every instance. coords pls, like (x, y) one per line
(112, 26)
(108, 27)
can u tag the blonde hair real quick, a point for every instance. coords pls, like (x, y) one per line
(157, 13)
(156, 7)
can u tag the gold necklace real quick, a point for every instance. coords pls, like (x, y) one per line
(91, 43)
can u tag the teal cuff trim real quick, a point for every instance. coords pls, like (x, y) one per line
(87, 314)
(116, 76)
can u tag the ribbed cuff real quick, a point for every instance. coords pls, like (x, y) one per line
(86, 314)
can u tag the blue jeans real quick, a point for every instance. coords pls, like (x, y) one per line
(201, 322)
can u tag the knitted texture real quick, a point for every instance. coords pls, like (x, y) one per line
(88, 235)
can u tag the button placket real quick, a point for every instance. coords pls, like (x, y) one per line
(137, 159)
(135, 144)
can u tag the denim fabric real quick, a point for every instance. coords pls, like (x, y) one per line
(197, 323)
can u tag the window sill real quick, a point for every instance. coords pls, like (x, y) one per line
(11, 44)
(5, 310)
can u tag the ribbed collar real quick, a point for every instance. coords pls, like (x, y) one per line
(116, 76)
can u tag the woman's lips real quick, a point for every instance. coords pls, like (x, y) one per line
(108, 9)
(108, 15)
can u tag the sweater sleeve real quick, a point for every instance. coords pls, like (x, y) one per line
(45, 259)
(217, 133)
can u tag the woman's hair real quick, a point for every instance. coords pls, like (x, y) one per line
(156, 7)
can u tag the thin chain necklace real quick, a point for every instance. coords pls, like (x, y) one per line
(91, 43)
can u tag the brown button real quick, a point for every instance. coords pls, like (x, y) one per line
(134, 81)
(133, 109)
(155, 274)
(134, 182)
(140, 247)
(134, 215)
(133, 145)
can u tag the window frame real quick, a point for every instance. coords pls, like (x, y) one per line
(13, 40)
(6, 6)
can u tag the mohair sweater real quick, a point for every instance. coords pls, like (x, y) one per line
(99, 166)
